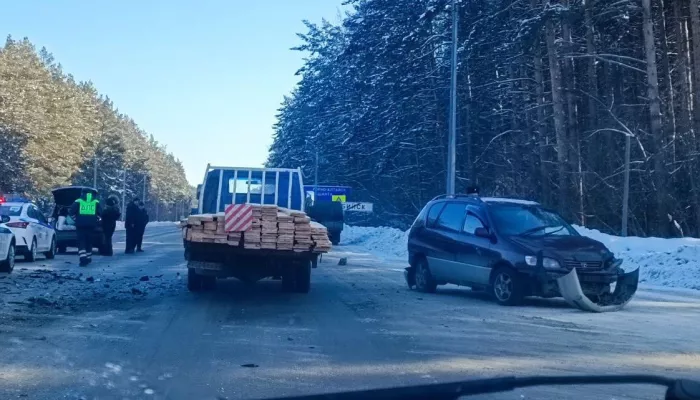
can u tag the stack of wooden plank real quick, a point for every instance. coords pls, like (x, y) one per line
(269, 227)
(209, 228)
(302, 231)
(285, 231)
(273, 228)
(252, 238)
(319, 234)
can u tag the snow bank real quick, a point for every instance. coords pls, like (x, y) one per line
(663, 262)
(382, 242)
(120, 224)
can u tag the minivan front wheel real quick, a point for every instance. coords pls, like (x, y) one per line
(507, 287)
(424, 279)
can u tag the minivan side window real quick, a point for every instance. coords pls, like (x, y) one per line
(433, 214)
(452, 217)
(471, 222)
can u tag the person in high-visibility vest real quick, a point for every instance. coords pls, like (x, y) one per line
(85, 211)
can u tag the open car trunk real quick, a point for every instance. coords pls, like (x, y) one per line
(64, 197)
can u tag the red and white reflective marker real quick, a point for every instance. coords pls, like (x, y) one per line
(238, 217)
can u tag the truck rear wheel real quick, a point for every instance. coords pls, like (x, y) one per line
(289, 281)
(208, 282)
(194, 281)
(303, 277)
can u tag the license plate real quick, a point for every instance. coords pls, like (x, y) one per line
(211, 266)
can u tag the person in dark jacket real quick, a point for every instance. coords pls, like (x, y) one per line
(130, 224)
(141, 223)
(110, 216)
(85, 211)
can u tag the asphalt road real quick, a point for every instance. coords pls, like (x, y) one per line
(126, 328)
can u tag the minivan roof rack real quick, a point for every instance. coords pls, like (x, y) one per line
(458, 196)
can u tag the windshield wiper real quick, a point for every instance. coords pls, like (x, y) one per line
(677, 389)
(536, 229)
(554, 231)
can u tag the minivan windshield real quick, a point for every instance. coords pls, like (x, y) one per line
(528, 220)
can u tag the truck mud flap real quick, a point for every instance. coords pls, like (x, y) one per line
(626, 287)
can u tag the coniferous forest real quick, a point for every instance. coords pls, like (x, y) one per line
(548, 93)
(55, 131)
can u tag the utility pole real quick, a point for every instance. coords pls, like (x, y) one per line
(123, 194)
(144, 189)
(626, 187)
(452, 140)
(94, 173)
(316, 176)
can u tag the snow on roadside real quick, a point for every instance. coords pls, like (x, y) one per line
(382, 242)
(120, 224)
(663, 262)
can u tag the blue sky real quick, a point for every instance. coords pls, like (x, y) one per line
(204, 77)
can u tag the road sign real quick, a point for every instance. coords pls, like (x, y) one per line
(339, 197)
(358, 207)
(326, 193)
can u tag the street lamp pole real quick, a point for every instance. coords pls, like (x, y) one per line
(123, 194)
(452, 141)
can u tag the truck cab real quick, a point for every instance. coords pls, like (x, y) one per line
(231, 185)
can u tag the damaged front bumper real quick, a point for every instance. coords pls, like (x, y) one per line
(626, 286)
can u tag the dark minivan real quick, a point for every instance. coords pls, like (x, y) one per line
(512, 248)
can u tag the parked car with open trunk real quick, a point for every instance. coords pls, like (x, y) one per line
(66, 235)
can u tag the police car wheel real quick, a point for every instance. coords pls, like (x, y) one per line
(9, 263)
(51, 254)
(31, 254)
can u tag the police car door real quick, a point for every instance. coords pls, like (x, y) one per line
(38, 227)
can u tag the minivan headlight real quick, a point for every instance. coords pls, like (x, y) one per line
(547, 263)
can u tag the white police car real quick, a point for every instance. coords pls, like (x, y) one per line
(33, 234)
(7, 246)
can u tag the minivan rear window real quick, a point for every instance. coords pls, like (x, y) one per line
(452, 217)
(433, 214)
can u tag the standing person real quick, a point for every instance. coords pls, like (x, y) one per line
(85, 212)
(141, 226)
(130, 224)
(110, 216)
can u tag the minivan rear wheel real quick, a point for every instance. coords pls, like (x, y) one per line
(424, 279)
(507, 287)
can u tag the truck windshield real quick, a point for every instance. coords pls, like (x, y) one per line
(516, 219)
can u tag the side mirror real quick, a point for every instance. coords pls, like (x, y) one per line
(4, 219)
(484, 233)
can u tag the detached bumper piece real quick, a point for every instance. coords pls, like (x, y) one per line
(625, 288)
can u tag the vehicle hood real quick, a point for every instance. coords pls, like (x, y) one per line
(563, 246)
(66, 196)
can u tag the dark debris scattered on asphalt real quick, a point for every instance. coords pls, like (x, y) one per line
(72, 290)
